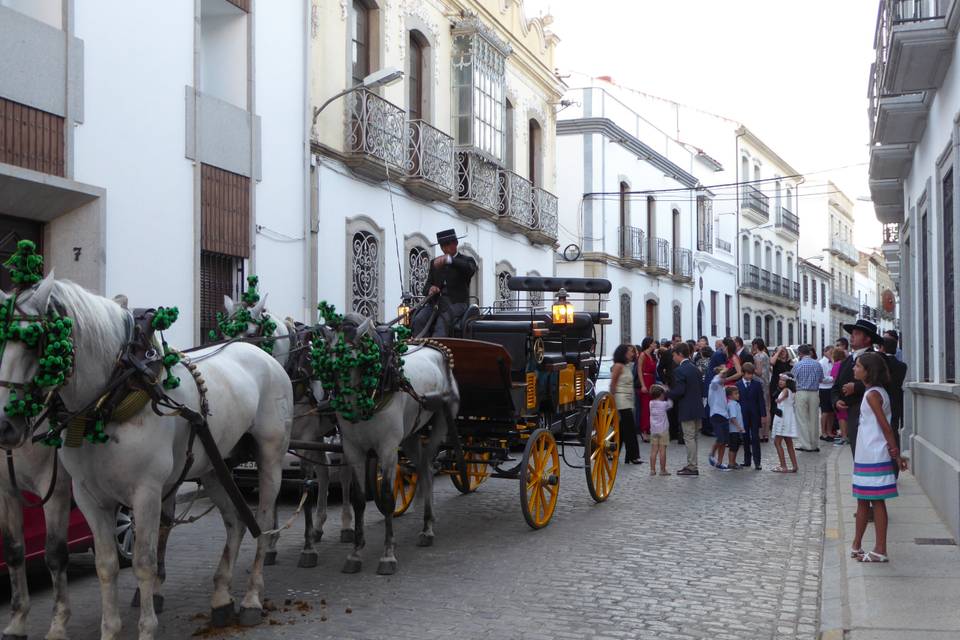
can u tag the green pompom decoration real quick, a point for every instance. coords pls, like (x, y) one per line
(238, 323)
(25, 265)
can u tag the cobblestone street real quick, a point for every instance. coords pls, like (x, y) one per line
(724, 556)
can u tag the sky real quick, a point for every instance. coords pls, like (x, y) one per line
(795, 73)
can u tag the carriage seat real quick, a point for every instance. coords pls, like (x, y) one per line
(460, 323)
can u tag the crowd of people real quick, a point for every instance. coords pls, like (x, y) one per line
(740, 395)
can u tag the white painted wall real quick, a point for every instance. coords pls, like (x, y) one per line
(223, 49)
(46, 11)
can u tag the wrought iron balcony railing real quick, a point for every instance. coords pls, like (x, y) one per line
(660, 257)
(477, 192)
(725, 246)
(755, 200)
(430, 155)
(545, 208)
(844, 300)
(788, 220)
(683, 264)
(762, 280)
(891, 233)
(515, 200)
(633, 243)
(844, 250)
(375, 133)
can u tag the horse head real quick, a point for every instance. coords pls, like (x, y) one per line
(351, 332)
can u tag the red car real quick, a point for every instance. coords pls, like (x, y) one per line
(79, 536)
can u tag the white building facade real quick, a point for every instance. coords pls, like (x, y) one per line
(465, 141)
(163, 166)
(914, 115)
(875, 291)
(637, 216)
(815, 312)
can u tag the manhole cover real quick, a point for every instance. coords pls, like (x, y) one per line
(937, 541)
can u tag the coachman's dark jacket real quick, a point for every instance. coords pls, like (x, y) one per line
(453, 279)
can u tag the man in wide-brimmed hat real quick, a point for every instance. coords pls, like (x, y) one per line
(847, 393)
(449, 284)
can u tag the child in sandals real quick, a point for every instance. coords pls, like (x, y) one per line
(877, 457)
(659, 429)
(785, 423)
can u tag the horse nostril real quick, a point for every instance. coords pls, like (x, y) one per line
(9, 435)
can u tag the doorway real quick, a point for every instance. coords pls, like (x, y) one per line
(651, 314)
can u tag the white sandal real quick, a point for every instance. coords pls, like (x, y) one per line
(873, 556)
(856, 553)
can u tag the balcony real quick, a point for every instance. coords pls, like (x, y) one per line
(887, 196)
(913, 46)
(545, 208)
(844, 250)
(429, 161)
(890, 161)
(515, 204)
(478, 188)
(899, 119)
(869, 313)
(682, 265)
(891, 249)
(633, 244)
(843, 301)
(660, 259)
(755, 203)
(375, 141)
(788, 221)
(723, 245)
(769, 287)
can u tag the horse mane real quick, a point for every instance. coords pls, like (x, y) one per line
(99, 324)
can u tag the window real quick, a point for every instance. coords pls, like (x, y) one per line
(700, 319)
(360, 41)
(418, 268)
(651, 230)
(415, 101)
(789, 333)
(479, 86)
(823, 337)
(726, 314)
(805, 288)
(704, 224)
(505, 299)
(806, 337)
(625, 236)
(476, 284)
(508, 152)
(714, 304)
(625, 319)
(759, 327)
(789, 274)
(220, 275)
(366, 275)
(925, 291)
(757, 260)
(223, 51)
(535, 153)
(746, 326)
(949, 299)
(813, 291)
(823, 295)
(535, 298)
(768, 262)
(779, 332)
(677, 320)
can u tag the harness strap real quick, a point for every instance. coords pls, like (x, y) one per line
(12, 473)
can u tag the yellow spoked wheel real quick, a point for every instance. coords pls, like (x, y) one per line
(477, 470)
(539, 478)
(404, 489)
(601, 448)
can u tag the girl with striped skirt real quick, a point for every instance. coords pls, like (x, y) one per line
(877, 457)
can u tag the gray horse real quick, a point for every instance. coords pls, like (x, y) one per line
(309, 425)
(398, 424)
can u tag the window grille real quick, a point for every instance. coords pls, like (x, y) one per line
(700, 319)
(789, 333)
(779, 332)
(713, 312)
(479, 63)
(220, 275)
(925, 303)
(746, 325)
(759, 327)
(366, 274)
(727, 303)
(625, 313)
(704, 224)
(949, 299)
(677, 319)
(813, 291)
(504, 301)
(418, 269)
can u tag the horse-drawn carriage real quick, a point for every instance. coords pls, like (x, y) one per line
(526, 379)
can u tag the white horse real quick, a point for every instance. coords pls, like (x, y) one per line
(309, 425)
(249, 394)
(39, 471)
(398, 424)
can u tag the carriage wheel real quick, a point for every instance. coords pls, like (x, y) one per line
(404, 489)
(601, 447)
(539, 478)
(477, 472)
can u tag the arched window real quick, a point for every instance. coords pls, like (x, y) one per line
(625, 319)
(505, 299)
(768, 262)
(416, 70)
(779, 332)
(476, 284)
(535, 298)
(757, 258)
(361, 26)
(759, 327)
(677, 320)
(744, 250)
(789, 333)
(535, 153)
(418, 268)
(746, 325)
(366, 274)
(700, 318)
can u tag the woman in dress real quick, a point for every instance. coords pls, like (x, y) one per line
(761, 361)
(621, 383)
(647, 370)
(785, 423)
(876, 459)
(732, 364)
(780, 364)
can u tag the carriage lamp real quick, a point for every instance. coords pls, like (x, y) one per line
(403, 311)
(562, 310)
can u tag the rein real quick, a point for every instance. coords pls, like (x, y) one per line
(12, 473)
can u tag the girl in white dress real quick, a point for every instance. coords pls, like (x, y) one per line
(877, 457)
(785, 424)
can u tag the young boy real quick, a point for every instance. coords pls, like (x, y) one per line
(753, 406)
(735, 417)
(717, 402)
(659, 429)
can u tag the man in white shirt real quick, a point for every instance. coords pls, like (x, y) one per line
(827, 431)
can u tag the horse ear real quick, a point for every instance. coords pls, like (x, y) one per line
(228, 305)
(329, 335)
(258, 308)
(366, 328)
(41, 295)
(121, 300)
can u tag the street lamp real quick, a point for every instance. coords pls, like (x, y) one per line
(380, 78)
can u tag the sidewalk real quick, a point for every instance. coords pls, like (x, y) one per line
(915, 596)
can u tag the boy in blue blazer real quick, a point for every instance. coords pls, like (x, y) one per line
(754, 408)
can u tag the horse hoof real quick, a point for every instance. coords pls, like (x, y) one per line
(157, 603)
(346, 535)
(307, 560)
(424, 540)
(7, 636)
(249, 617)
(269, 558)
(223, 616)
(387, 567)
(351, 566)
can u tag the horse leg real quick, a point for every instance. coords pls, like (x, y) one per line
(270, 555)
(146, 513)
(346, 509)
(222, 609)
(358, 500)
(388, 469)
(101, 517)
(13, 549)
(56, 514)
(314, 515)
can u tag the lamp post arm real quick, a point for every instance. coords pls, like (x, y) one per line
(318, 110)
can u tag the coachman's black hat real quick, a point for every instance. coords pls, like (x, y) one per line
(448, 235)
(867, 327)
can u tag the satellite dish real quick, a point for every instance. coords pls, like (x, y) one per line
(571, 252)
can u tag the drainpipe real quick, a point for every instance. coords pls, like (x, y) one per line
(797, 261)
(736, 237)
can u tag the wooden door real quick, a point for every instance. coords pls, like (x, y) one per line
(12, 231)
(652, 319)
